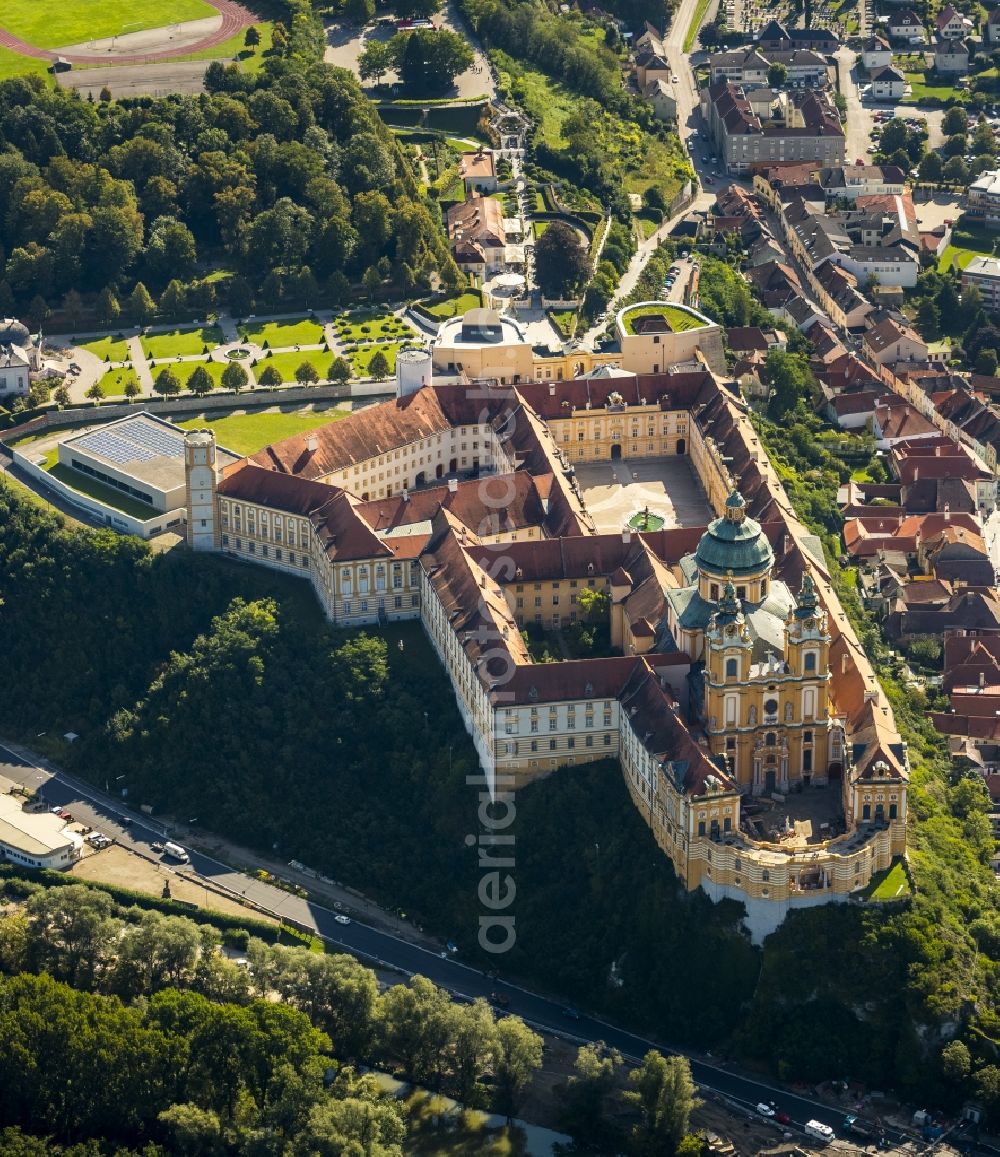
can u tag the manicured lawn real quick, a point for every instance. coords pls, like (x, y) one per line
(365, 327)
(894, 885)
(114, 381)
(248, 433)
(960, 257)
(362, 356)
(114, 349)
(281, 334)
(179, 343)
(50, 25)
(250, 59)
(287, 363)
(565, 321)
(94, 489)
(455, 306)
(539, 227)
(922, 92)
(678, 319)
(14, 64)
(215, 370)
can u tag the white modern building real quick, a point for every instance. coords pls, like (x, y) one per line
(984, 198)
(984, 274)
(36, 839)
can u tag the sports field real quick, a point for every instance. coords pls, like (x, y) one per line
(52, 25)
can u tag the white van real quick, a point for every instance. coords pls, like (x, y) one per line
(176, 852)
(819, 1131)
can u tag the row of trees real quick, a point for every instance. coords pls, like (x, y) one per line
(77, 936)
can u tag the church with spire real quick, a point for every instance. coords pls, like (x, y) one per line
(761, 692)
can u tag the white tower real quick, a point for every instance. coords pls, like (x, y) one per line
(413, 371)
(200, 483)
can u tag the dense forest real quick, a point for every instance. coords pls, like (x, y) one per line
(122, 1024)
(286, 180)
(280, 730)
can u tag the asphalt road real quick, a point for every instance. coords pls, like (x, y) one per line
(136, 831)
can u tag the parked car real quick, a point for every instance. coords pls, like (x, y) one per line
(571, 1014)
(342, 919)
(64, 815)
(782, 1117)
(498, 999)
(766, 1109)
(156, 846)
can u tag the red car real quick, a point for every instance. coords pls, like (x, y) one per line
(782, 1117)
(65, 816)
(709, 181)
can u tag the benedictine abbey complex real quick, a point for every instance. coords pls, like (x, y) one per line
(752, 733)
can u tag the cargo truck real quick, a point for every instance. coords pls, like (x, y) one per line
(176, 852)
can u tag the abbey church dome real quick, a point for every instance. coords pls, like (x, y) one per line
(734, 544)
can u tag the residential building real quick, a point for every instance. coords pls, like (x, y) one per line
(803, 126)
(14, 370)
(777, 38)
(951, 57)
(650, 66)
(478, 172)
(477, 234)
(906, 26)
(750, 66)
(661, 97)
(984, 199)
(876, 53)
(888, 83)
(950, 24)
(984, 274)
(991, 28)
(892, 341)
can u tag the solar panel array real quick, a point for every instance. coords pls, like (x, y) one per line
(136, 441)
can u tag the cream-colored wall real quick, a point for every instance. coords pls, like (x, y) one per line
(507, 362)
(432, 457)
(640, 431)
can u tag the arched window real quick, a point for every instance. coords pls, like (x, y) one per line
(763, 588)
(732, 668)
(714, 592)
(765, 875)
(771, 739)
(809, 661)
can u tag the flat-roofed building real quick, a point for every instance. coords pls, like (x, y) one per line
(141, 456)
(36, 839)
(984, 274)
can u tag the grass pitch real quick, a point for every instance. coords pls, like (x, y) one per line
(49, 25)
(247, 433)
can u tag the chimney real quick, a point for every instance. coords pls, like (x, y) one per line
(947, 512)
(452, 485)
(982, 678)
(843, 663)
(406, 495)
(626, 536)
(916, 473)
(312, 443)
(552, 390)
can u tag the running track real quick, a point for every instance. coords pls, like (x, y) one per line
(234, 17)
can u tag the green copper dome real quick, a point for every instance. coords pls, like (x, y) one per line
(734, 544)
